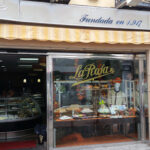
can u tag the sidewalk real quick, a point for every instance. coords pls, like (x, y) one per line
(118, 146)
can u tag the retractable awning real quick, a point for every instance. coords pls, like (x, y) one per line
(72, 35)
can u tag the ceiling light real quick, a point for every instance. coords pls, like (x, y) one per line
(28, 59)
(3, 66)
(24, 80)
(38, 80)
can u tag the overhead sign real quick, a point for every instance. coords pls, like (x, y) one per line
(84, 16)
(74, 15)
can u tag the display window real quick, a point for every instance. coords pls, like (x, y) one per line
(96, 100)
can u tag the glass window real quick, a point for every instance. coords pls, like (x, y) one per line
(95, 101)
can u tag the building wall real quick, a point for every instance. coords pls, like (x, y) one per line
(101, 3)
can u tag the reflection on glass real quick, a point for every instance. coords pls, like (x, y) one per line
(95, 101)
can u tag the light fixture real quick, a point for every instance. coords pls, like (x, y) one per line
(3, 66)
(38, 80)
(24, 80)
(25, 66)
(29, 59)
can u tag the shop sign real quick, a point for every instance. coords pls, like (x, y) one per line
(84, 16)
(91, 72)
(73, 15)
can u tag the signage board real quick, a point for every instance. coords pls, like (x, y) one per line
(84, 16)
(74, 15)
(91, 72)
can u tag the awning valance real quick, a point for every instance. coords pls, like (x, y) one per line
(72, 35)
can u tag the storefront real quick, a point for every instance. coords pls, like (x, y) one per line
(89, 110)
(96, 78)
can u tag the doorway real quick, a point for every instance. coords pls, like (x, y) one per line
(22, 101)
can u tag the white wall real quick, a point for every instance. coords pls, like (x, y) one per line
(9, 9)
(101, 3)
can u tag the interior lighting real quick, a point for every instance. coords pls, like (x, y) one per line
(25, 66)
(29, 59)
(24, 80)
(38, 80)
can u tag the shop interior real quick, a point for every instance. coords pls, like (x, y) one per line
(22, 100)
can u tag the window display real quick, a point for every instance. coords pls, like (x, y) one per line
(95, 101)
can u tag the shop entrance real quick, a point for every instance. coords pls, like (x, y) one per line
(22, 101)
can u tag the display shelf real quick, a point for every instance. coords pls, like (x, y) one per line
(19, 119)
(12, 104)
(2, 111)
(12, 110)
(23, 107)
(15, 117)
(71, 81)
(101, 96)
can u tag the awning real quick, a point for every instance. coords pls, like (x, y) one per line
(72, 35)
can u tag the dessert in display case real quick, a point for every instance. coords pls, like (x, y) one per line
(97, 106)
(17, 115)
(95, 99)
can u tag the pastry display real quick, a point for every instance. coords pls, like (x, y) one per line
(86, 110)
(74, 107)
(93, 99)
(104, 109)
(132, 111)
(19, 108)
(65, 117)
(96, 87)
(3, 118)
(60, 110)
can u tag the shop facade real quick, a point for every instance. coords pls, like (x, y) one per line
(97, 79)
